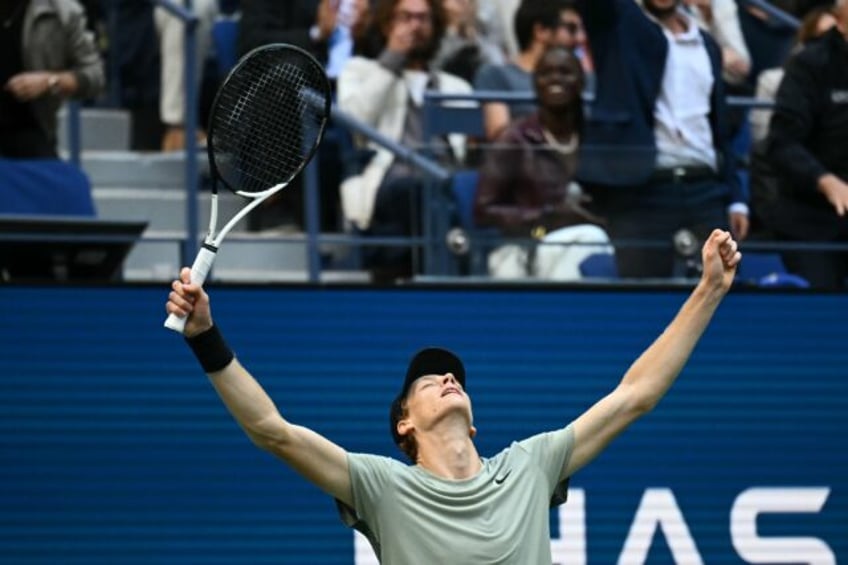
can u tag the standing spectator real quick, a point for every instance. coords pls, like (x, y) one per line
(172, 96)
(659, 118)
(324, 28)
(808, 148)
(526, 185)
(538, 25)
(721, 19)
(48, 55)
(387, 93)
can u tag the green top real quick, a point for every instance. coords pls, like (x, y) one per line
(501, 515)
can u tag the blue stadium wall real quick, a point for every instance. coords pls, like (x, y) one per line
(116, 450)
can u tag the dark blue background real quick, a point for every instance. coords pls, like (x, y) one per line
(115, 449)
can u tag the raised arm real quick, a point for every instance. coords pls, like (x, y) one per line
(319, 460)
(653, 373)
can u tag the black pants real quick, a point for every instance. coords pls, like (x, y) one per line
(399, 212)
(643, 221)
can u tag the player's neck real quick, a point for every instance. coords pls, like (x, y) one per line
(448, 453)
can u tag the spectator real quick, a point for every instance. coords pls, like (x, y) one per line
(721, 19)
(465, 47)
(326, 29)
(538, 25)
(172, 96)
(48, 55)
(526, 185)
(815, 24)
(660, 112)
(808, 148)
(387, 93)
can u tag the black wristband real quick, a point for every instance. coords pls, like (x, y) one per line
(211, 349)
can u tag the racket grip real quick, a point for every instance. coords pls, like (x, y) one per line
(199, 270)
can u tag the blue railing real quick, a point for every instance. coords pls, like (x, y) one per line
(189, 20)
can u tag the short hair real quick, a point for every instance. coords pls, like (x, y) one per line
(537, 12)
(406, 443)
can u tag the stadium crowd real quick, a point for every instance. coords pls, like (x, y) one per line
(622, 125)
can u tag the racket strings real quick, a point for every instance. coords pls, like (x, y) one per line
(268, 119)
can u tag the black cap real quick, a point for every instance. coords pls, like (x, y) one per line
(428, 361)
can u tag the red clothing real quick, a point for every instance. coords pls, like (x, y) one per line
(524, 183)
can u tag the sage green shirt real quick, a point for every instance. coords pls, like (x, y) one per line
(501, 515)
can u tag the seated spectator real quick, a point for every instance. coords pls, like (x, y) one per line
(538, 25)
(48, 55)
(807, 146)
(465, 47)
(172, 94)
(387, 93)
(815, 24)
(659, 117)
(527, 186)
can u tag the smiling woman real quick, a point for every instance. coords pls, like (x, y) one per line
(526, 185)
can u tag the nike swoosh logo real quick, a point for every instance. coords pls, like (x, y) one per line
(499, 480)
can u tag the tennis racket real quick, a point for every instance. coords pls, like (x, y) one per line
(266, 123)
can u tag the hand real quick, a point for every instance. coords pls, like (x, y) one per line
(704, 6)
(29, 85)
(836, 192)
(739, 225)
(734, 64)
(720, 257)
(325, 19)
(188, 299)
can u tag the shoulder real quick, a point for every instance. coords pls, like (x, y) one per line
(818, 52)
(494, 76)
(523, 130)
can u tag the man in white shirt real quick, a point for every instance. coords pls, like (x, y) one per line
(656, 153)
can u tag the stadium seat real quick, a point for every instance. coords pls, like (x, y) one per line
(49, 187)
(767, 270)
(464, 188)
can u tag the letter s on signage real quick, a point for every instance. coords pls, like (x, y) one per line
(754, 549)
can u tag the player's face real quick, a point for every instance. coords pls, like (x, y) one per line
(433, 397)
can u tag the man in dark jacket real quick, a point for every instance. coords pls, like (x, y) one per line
(808, 148)
(655, 150)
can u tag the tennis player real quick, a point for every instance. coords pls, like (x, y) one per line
(451, 505)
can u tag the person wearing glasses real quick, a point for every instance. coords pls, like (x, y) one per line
(386, 92)
(538, 26)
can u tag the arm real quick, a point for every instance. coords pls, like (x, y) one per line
(653, 373)
(86, 76)
(319, 461)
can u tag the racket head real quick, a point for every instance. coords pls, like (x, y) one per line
(267, 119)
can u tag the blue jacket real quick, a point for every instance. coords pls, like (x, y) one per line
(630, 51)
